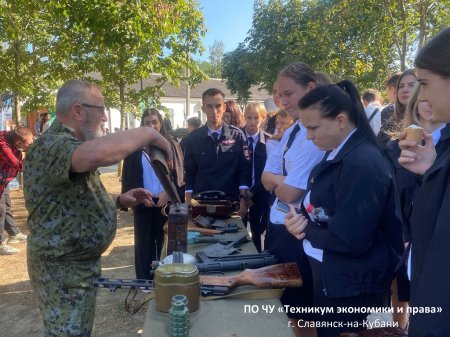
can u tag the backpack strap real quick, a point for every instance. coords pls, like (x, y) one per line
(373, 114)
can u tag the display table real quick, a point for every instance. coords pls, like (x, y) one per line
(230, 316)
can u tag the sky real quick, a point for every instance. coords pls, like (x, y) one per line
(225, 20)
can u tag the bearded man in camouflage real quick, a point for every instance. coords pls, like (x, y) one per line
(72, 218)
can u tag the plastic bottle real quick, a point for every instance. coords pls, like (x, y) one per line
(318, 214)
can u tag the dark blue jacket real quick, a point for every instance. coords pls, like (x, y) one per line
(363, 242)
(407, 185)
(224, 167)
(430, 238)
(259, 162)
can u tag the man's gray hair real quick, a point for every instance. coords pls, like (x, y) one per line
(73, 91)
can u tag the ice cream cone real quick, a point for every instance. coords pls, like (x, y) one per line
(415, 133)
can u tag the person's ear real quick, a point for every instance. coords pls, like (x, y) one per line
(76, 111)
(311, 85)
(342, 120)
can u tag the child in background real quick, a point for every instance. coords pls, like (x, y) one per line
(258, 197)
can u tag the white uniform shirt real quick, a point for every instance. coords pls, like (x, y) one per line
(151, 181)
(375, 123)
(300, 159)
(271, 146)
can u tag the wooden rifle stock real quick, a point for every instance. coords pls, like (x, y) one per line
(283, 275)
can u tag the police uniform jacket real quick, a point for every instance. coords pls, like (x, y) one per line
(430, 237)
(362, 243)
(224, 166)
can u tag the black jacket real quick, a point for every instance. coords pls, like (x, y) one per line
(132, 172)
(223, 167)
(363, 242)
(388, 124)
(430, 237)
(259, 162)
(407, 185)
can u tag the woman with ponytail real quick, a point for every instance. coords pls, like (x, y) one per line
(349, 221)
(286, 175)
(149, 221)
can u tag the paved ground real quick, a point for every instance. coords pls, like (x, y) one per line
(108, 169)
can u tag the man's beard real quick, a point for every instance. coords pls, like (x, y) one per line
(88, 133)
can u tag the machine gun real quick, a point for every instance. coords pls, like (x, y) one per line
(276, 276)
(114, 284)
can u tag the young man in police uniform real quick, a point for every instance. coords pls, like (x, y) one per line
(216, 154)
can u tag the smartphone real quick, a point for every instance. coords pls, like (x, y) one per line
(283, 207)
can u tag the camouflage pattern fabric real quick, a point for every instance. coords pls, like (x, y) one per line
(72, 221)
(66, 296)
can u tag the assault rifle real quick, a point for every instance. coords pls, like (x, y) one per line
(234, 262)
(276, 276)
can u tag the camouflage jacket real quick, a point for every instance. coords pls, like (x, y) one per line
(71, 215)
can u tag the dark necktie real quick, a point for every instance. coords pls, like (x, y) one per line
(289, 144)
(250, 141)
(250, 147)
(215, 136)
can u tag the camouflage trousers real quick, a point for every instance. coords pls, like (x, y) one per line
(66, 295)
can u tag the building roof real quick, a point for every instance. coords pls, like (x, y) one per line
(257, 94)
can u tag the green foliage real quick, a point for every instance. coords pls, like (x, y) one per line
(115, 43)
(237, 68)
(206, 67)
(213, 68)
(126, 41)
(363, 41)
(215, 58)
(28, 41)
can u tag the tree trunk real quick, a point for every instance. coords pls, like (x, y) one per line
(122, 119)
(423, 14)
(403, 53)
(16, 114)
(403, 35)
(16, 91)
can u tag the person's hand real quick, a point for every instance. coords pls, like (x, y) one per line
(250, 202)
(295, 223)
(163, 199)
(188, 197)
(162, 143)
(416, 158)
(135, 197)
(243, 208)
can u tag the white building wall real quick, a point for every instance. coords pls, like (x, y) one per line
(113, 119)
(176, 112)
(176, 107)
